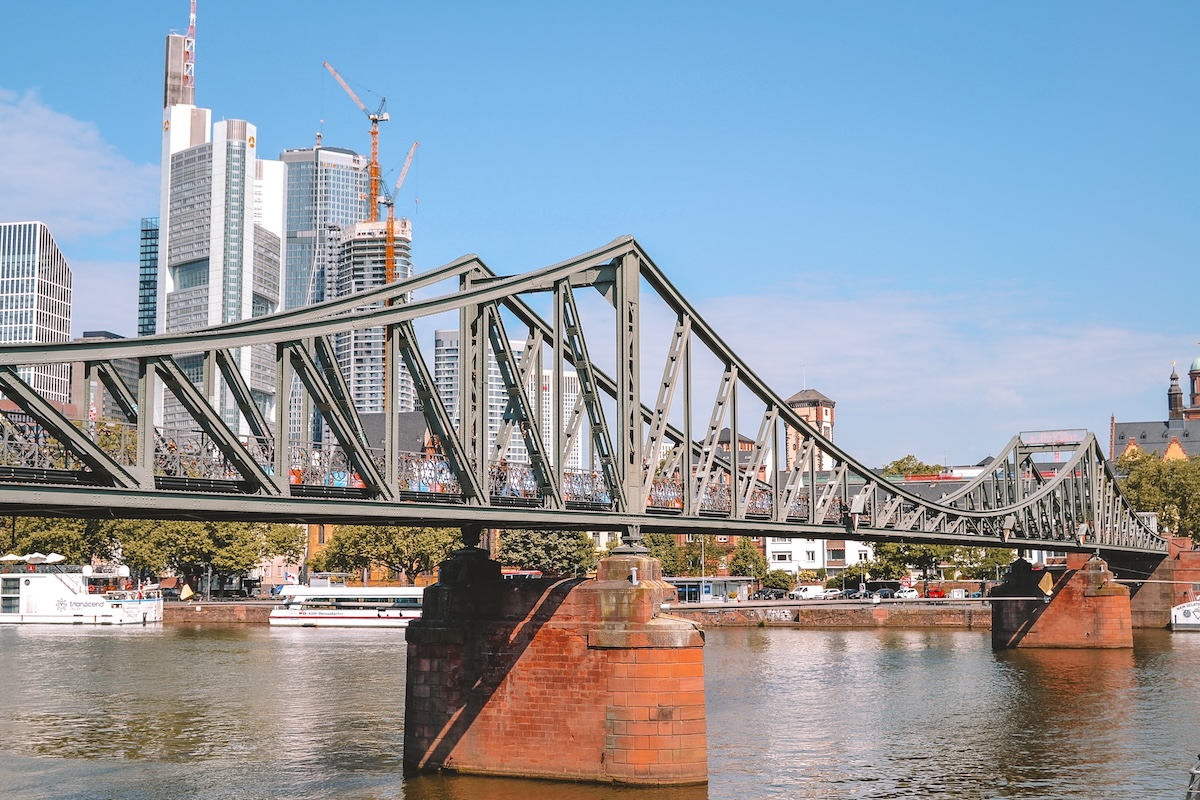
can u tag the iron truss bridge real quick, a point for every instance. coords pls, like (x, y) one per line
(701, 445)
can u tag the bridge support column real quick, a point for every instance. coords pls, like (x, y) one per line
(1170, 584)
(1085, 609)
(574, 679)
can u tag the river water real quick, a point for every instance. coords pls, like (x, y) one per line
(247, 711)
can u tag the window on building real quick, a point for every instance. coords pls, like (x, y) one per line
(810, 555)
(863, 555)
(783, 556)
(780, 540)
(838, 554)
(722, 539)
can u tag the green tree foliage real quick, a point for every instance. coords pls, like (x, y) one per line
(79, 540)
(982, 562)
(703, 547)
(405, 551)
(552, 552)
(911, 465)
(747, 560)
(896, 558)
(779, 579)
(1169, 488)
(664, 547)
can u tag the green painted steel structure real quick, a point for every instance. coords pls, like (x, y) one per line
(656, 463)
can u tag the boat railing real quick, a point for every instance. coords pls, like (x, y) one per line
(133, 594)
(1193, 790)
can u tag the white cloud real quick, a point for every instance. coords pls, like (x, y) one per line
(61, 171)
(945, 376)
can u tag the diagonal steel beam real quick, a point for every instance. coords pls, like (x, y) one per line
(116, 388)
(589, 399)
(436, 416)
(338, 413)
(518, 401)
(241, 394)
(61, 428)
(207, 418)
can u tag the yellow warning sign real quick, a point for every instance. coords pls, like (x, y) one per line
(1046, 584)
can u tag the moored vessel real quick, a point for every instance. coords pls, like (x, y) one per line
(325, 602)
(40, 589)
(1186, 616)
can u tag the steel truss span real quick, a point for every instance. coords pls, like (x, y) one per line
(703, 448)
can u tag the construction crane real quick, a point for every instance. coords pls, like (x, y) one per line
(379, 116)
(389, 253)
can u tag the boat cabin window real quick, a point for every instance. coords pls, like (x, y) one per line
(10, 595)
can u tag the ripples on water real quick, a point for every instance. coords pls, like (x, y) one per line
(252, 712)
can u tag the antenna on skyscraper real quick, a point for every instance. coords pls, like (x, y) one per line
(189, 51)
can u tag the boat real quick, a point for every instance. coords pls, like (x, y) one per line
(1186, 616)
(326, 602)
(43, 590)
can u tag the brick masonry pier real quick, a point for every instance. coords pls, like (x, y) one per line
(577, 679)
(1174, 581)
(1085, 608)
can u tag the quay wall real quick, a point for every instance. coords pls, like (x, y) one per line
(968, 615)
(217, 613)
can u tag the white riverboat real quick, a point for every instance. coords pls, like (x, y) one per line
(1186, 616)
(43, 590)
(327, 603)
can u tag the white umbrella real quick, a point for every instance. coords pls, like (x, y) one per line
(35, 558)
(12, 557)
(54, 558)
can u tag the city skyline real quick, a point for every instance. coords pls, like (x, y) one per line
(950, 220)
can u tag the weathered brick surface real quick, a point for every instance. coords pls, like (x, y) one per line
(1169, 585)
(216, 613)
(573, 679)
(971, 616)
(1086, 609)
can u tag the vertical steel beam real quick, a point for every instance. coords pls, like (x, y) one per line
(146, 432)
(473, 389)
(629, 402)
(283, 417)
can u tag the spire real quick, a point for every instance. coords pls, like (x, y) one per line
(1174, 396)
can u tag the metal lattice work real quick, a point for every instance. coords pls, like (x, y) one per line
(705, 449)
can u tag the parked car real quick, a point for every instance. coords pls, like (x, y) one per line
(907, 593)
(170, 594)
(885, 593)
(936, 592)
(769, 594)
(861, 594)
(834, 594)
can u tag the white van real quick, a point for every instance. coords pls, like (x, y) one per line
(807, 592)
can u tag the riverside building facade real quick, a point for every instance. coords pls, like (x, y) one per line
(35, 301)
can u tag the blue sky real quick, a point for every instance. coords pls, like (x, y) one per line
(958, 220)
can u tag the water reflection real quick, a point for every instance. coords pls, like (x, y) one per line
(247, 711)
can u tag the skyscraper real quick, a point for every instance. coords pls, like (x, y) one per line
(326, 189)
(220, 227)
(148, 277)
(360, 265)
(35, 301)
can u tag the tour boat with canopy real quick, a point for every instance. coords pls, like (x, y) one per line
(327, 601)
(37, 588)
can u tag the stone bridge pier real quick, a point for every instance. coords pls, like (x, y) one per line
(1084, 607)
(573, 679)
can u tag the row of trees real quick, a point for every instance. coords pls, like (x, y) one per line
(152, 547)
(1170, 489)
